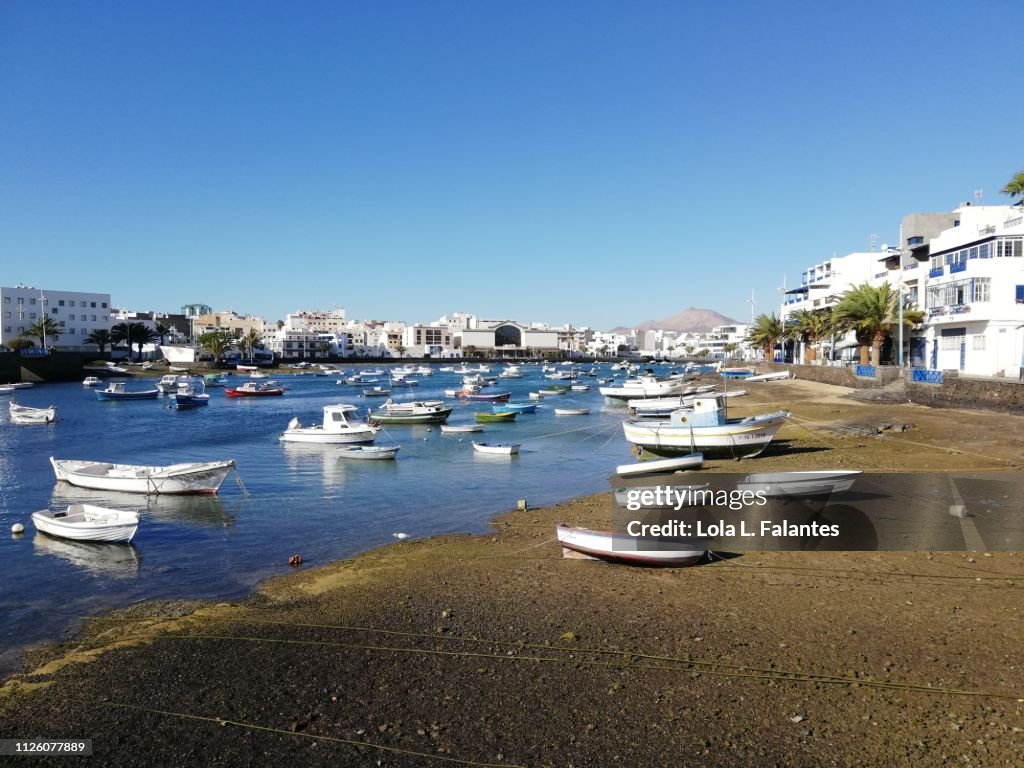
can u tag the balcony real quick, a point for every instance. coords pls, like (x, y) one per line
(936, 272)
(957, 266)
(910, 266)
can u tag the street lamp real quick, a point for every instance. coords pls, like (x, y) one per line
(42, 312)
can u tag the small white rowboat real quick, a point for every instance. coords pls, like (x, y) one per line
(448, 429)
(23, 414)
(660, 465)
(85, 522)
(629, 549)
(504, 449)
(369, 452)
(572, 411)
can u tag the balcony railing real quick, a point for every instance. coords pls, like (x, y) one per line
(936, 272)
(866, 371)
(957, 266)
(912, 265)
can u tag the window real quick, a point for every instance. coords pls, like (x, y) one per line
(94, 316)
(1020, 294)
(7, 299)
(104, 305)
(979, 342)
(71, 330)
(7, 314)
(53, 311)
(917, 240)
(951, 343)
(32, 301)
(982, 288)
(1010, 247)
(983, 250)
(31, 315)
(93, 305)
(71, 317)
(21, 300)
(7, 329)
(60, 302)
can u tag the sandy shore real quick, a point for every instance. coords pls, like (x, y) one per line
(495, 650)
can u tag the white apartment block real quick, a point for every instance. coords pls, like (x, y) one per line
(78, 313)
(973, 294)
(332, 321)
(427, 339)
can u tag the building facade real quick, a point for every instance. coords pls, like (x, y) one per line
(77, 313)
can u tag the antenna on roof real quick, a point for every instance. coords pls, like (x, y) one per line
(752, 303)
(977, 195)
(872, 239)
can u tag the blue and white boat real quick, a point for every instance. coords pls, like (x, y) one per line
(116, 391)
(514, 407)
(188, 396)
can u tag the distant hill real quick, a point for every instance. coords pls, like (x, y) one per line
(691, 320)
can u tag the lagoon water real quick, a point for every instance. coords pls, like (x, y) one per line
(301, 498)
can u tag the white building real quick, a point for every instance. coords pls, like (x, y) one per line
(78, 314)
(331, 321)
(974, 294)
(507, 338)
(428, 340)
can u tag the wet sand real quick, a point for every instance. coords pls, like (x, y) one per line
(495, 650)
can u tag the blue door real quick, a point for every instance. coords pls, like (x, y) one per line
(935, 354)
(963, 352)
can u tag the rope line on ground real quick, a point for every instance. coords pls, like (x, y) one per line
(221, 721)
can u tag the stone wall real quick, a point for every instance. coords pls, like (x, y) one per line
(954, 392)
(826, 374)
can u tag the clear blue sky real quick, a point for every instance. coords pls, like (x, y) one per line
(590, 162)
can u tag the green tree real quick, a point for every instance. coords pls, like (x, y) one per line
(765, 333)
(46, 329)
(872, 312)
(141, 335)
(16, 345)
(729, 349)
(162, 329)
(251, 339)
(810, 327)
(469, 351)
(400, 349)
(1015, 187)
(101, 338)
(216, 343)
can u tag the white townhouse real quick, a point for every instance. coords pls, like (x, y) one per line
(974, 294)
(78, 313)
(428, 340)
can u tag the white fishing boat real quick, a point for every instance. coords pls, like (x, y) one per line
(171, 382)
(644, 386)
(24, 414)
(371, 452)
(335, 429)
(195, 477)
(85, 522)
(660, 466)
(414, 412)
(706, 428)
(580, 387)
(775, 485)
(451, 429)
(605, 545)
(376, 392)
(115, 390)
(502, 449)
(663, 406)
(572, 411)
(91, 381)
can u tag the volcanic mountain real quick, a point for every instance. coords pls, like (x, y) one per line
(690, 319)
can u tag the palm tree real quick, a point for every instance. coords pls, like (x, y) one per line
(216, 343)
(766, 333)
(250, 340)
(729, 349)
(121, 333)
(141, 335)
(1015, 187)
(810, 327)
(101, 338)
(162, 330)
(872, 313)
(400, 349)
(46, 328)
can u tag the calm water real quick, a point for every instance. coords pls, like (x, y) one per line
(302, 498)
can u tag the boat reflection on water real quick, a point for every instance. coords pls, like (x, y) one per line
(200, 510)
(119, 561)
(303, 459)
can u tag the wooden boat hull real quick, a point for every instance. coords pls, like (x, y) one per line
(174, 479)
(84, 522)
(496, 418)
(628, 549)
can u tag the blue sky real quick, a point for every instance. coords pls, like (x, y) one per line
(599, 163)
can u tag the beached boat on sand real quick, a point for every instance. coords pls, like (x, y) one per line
(605, 545)
(708, 429)
(774, 485)
(196, 477)
(659, 466)
(85, 522)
